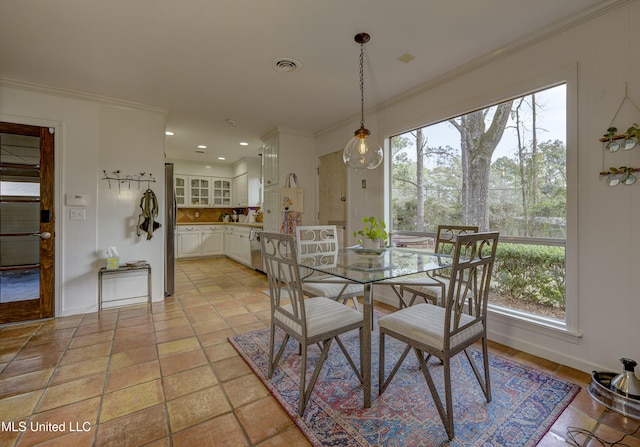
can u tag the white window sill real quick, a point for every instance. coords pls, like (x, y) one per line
(540, 325)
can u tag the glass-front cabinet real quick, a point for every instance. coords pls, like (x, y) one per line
(181, 190)
(199, 191)
(221, 192)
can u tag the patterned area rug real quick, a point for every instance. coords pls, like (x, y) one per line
(526, 402)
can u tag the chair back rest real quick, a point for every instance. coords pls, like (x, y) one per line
(471, 271)
(446, 241)
(279, 254)
(317, 245)
(447, 235)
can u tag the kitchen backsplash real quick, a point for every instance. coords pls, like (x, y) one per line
(188, 215)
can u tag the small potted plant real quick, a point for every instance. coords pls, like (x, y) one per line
(631, 137)
(373, 234)
(611, 146)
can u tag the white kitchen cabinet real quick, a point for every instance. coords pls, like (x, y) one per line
(189, 239)
(241, 190)
(200, 240)
(270, 165)
(237, 245)
(271, 209)
(202, 191)
(212, 240)
(180, 186)
(222, 192)
(199, 191)
(247, 183)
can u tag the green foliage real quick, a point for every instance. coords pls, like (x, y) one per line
(373, 229)
(632, 131)
(533, 273)
(611, 132)
(526, 197)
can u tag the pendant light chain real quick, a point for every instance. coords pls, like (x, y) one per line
(362, 152)
(362, 85)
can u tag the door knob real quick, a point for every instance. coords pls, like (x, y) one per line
(45, 235)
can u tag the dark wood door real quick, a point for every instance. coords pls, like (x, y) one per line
(27, 222)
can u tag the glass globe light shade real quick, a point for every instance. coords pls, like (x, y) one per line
(362, 152)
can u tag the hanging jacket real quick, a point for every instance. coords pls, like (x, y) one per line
(147, 219)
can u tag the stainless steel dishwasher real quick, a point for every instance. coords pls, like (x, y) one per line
(256, 249)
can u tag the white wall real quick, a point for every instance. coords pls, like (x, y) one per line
(295, 155)
(604, 225)
(294, 151)
(93, 135)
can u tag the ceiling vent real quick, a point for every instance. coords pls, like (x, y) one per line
(286, 65)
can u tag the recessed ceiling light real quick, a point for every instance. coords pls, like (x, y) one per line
(202, 146)
(231, 122)
(168, 132)
(221, 158)
(244, 143)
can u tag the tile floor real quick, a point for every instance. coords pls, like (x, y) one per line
(170, 378)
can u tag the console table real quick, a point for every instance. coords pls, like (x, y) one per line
(124, 269)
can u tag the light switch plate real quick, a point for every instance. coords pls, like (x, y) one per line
(77, 214)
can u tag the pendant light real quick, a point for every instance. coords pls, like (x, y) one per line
(362, 152)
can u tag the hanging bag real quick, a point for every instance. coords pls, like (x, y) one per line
(292, 197)
(147, 219)
(291, 204)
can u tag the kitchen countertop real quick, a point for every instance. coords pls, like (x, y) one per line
(252, 225)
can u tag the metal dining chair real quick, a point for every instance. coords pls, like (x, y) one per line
(314, 321)
(432, 287)
(312, 240)
(444, 332)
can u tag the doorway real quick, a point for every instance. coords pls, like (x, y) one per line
(332, 186)
(27, 256)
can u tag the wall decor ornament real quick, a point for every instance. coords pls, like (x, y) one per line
(614, 141)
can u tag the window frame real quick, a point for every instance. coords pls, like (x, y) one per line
(568, 329)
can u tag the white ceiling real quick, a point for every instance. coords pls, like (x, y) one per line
(206, 61)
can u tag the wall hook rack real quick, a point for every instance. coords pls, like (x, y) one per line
(137, 179)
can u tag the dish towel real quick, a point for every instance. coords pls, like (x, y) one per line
(291, 205)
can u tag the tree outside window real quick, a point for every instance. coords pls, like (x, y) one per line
(502, 168)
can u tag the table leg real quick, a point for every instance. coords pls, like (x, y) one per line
(366, 342)
(149, 289)
(100, 295)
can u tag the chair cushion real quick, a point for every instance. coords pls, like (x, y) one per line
(331, 289)
(425, 324)
(324, 315)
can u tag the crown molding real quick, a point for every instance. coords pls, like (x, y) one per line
(39, 88)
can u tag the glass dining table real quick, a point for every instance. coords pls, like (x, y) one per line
(387, 266)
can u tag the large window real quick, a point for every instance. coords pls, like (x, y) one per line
(502, 168)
